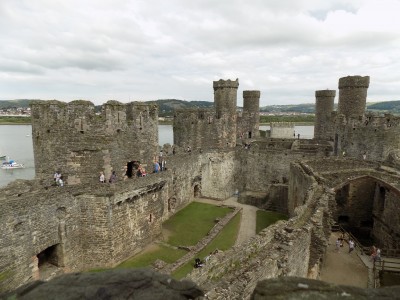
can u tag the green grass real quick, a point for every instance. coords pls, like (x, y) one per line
(147, 258)
(186, 228)
(191, 224)
(14, 120)
(223, 241)
(267, 218)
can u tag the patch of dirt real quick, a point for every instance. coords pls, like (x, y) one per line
(342, 267)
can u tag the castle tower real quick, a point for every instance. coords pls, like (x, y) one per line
(250, 122)
(75, 140)
(225, 97)
(353, 95)
(323, 128)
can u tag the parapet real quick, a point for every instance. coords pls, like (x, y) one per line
(325, 93)
(282, 124)
(251, 94)
(354, 82)
(220, 84)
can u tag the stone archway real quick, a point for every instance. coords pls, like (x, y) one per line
(50, 261)
(197, 191)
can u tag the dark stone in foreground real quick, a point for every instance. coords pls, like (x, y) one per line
(140, 284)
(301, 288)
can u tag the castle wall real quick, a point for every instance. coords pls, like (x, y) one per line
(284, 130)
(355, 201)
(201, 129)
(373, 135)
(282, 249)
(386, 230)
(73, 139)
(218, 175)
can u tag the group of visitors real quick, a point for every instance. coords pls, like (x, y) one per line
(375, 254)
(340, 243)
(112, 179)
(198, 263)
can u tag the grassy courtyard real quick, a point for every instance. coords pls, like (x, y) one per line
(267, 218)
(185, 228)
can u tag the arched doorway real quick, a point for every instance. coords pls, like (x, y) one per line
(197, 191)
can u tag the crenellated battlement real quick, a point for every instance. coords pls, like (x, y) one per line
(221, 84)
(355, 81)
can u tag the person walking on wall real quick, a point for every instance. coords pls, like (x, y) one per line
(156, 167)
(113, 177)
(351, 245)
(102, 177)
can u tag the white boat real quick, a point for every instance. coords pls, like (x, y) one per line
(11, 164)
(2, 157)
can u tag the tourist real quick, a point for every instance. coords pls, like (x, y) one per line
(378, 255)
(298, 136)
(57, 176)
(60, 181)
(156, 167)
(373, 253)
(198, 263)
(113, 177)
(351, 245)
(337, 245)
(189, 149)
(102, 178)
(364, 155)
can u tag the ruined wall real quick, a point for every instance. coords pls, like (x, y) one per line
(284, 130)
(283, 249)
(386, 230)
(355, 201)
(259, 166)
(31, 220)
(218, 175)
(91, 228)
(75, 140)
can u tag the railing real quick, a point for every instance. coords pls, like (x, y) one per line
(384, 265)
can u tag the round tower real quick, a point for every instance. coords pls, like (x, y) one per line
(225, 96)
(251, 113)
(323, 128)
(353, 95)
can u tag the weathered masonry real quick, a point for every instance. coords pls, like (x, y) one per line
(349, 173)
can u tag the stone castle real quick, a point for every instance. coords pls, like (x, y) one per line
(349, 173)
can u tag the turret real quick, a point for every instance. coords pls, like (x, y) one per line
(251, 113)
(353, 95)
(324, 105)
(225, 97)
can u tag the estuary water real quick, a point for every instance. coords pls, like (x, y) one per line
(16, 144)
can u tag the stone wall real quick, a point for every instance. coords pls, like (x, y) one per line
(283, 249)
(386, 230)
(79, 143)
(283, 130)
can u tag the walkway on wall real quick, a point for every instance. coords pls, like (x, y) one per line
(343, 268)
(248, 221)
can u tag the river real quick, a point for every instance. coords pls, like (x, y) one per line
(16, 143)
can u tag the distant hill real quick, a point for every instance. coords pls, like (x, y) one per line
(14, 103)
(167, 106)
(389, 106)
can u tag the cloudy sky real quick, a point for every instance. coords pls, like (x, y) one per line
(131, 50)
